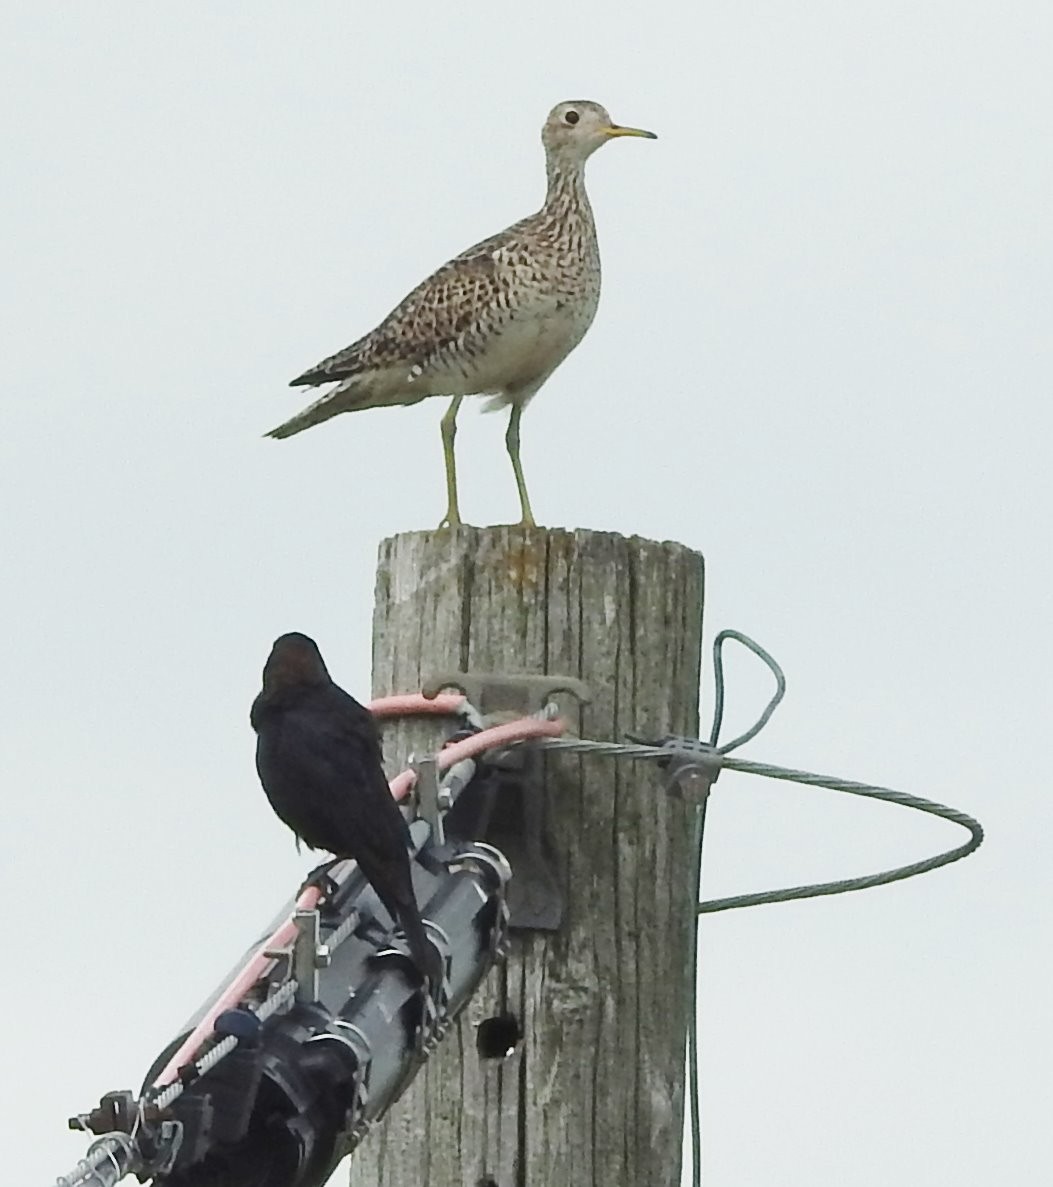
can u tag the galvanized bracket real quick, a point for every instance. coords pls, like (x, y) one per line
(508, 693)
(362, 1051)
(505, 805)
(168, 1143)
(426, 791)
(309, 955)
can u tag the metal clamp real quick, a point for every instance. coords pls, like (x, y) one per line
(426, 790)
(493, 865)
(435, 1017)
(362, 1051)
(692, 766)
(309, 955)
(505, 806)
(505, 692)
(166, 1147)
(513, 776)
(117, 1112)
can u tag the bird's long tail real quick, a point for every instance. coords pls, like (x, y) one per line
(425, 954)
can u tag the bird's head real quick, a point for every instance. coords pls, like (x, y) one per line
(294, 662)
(577, 127)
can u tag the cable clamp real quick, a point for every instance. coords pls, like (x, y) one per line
(691, 768)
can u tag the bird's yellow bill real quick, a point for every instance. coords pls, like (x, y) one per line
(618, 130)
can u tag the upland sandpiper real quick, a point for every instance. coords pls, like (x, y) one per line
(496, 320)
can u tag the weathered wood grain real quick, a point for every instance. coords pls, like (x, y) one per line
(594, 1096)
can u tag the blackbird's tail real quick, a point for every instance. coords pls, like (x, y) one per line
(425, 955)
(393, 883)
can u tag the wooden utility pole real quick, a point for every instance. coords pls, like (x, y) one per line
(593, 1095)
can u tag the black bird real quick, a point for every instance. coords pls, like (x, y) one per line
(319, 759)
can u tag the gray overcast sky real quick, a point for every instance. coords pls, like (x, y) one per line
(822, 357)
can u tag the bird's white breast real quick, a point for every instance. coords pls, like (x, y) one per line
(529, 347)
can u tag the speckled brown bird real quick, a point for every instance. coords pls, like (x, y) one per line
(496, 320)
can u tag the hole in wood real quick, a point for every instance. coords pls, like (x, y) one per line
(498, 1038)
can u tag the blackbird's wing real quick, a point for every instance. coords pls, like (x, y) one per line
(320, 763)
(326, 766)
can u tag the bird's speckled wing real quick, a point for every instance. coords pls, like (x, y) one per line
(471, 295)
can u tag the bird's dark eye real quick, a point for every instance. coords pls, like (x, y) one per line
(572, 117)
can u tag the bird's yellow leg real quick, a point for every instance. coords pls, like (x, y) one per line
(512, 444)
(452, 518)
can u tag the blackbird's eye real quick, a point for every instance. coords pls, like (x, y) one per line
(571, 117)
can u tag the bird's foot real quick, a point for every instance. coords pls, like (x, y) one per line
(319, 878)
(434, 973)
(452, 519)
(437, 1013)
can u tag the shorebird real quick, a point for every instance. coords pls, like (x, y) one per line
(496, 320)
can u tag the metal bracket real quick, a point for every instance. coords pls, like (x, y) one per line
(505, 692)
(495, 868)
(167, 1146)
(505, 806)
(135, 1130)
(435, 1018)
(309, 955)
(116, 1112)
(426, 789)
(508, 806)
(691, 768)
(362, 1050)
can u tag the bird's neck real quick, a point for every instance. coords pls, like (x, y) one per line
(566, 185)
(277, 698)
